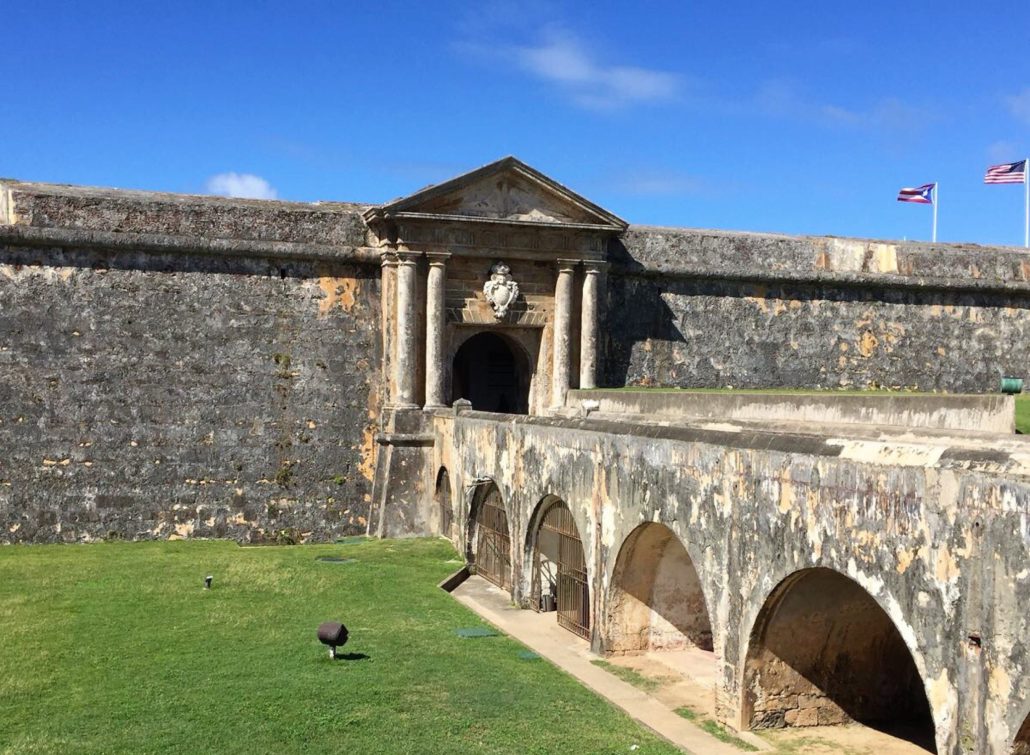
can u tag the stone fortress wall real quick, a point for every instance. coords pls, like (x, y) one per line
(176, 365)
(694, 308)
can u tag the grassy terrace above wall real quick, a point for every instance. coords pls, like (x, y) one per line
(118, 648)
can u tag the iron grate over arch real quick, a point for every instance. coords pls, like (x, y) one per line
(568, 584)
(491, 541)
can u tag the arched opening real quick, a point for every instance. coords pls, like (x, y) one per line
(559, 581)
(656, 600)
(492, 374)
(489, 544)
(443, 505)
(1021, 744)
(823, 652)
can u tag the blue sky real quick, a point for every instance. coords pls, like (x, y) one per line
(798, 117)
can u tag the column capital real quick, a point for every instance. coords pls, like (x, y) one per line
(438, 258)
(388, 259)
(593, 267)
(408, 258)
(567, 265)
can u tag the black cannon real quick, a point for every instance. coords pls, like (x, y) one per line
(334, 634)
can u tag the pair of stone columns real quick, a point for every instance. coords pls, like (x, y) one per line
(405, 353)
(405, 356)
(588, 326)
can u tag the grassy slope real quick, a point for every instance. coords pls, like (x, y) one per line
(117, 648)
(1023, 414)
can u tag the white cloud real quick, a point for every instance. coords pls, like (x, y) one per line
(241, 185)
(1019, 105)
(782, 99)
(563, 60)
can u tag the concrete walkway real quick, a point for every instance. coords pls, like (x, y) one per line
(541, 633)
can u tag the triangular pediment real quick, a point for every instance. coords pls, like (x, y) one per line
(506, 191)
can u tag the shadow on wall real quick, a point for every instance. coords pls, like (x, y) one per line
(635, 313)
(657, 602)
(823, 652)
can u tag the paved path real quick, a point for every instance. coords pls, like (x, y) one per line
(541, 633)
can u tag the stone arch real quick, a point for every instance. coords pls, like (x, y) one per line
(656, 600)
(560, 579)
(443, 505)
(1021, 744)
(493, 369)
(488, 538)
(823, 651)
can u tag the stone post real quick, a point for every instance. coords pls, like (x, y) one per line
(404, 365)
(561, 368)
(588, 326)
(436, 330)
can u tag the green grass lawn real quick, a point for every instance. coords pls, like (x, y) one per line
(1023, 414)
(116, 647)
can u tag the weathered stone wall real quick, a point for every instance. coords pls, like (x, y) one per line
(702, 308)
(149, 393)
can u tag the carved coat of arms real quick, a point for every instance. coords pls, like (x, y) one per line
(501, 290)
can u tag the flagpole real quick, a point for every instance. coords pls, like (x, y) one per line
(936, 197)
(1026, 209)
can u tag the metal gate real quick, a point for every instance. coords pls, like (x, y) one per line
(492, 554)
(572, 593)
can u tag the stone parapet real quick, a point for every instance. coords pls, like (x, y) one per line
(86, 208)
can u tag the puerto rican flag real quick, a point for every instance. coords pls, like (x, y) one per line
(921, 195)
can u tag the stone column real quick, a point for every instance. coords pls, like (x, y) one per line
(404, 364)
(388, 302)
(561, 368)
(436, 330)
(588, 326)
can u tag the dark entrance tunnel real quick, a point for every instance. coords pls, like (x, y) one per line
(491, 374)
(823, 652)
(656, 601)
(444, 504)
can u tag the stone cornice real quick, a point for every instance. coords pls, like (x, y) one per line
(150, 243)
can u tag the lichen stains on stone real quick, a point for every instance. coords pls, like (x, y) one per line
(339, 293)
(867, 343)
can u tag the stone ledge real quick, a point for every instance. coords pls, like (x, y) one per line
(981, 413)
(18, 235)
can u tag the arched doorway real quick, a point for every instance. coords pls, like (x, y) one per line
(443, 505)
(489, 542)
(559, 581)
(656, 600)
(824, 652)
(491, 373)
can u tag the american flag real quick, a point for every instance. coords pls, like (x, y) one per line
(1009, 173)
(921, 195)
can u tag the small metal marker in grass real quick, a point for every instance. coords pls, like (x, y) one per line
(335, 559)
(471, 632)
